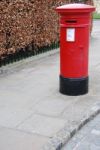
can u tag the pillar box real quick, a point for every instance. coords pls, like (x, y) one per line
(75, 22)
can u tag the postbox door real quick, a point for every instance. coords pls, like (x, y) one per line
(74, 51)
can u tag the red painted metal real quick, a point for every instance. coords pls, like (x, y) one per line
(74, 39)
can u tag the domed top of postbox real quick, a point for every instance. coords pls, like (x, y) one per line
(76, 8)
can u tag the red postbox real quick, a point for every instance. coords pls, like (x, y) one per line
(75, 22)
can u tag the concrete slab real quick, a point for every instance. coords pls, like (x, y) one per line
(15, 140)
(10, 117)
(79, 108)
(53, 106)
(42, 125)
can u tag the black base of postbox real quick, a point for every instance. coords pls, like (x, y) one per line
(73, 86)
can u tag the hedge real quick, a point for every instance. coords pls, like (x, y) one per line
(27, 21)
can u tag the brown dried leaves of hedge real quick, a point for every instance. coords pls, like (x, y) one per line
(26, 21)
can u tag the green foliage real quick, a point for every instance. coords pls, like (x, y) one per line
(96, 15)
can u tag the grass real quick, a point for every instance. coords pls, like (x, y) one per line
(96, 15)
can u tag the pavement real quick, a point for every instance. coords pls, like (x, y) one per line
(33, 114)
(88, 138)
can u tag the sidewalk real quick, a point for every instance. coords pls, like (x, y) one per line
(33, 114)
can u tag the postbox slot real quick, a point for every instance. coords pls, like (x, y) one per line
(71, 21)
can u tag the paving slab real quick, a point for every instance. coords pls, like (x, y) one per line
(42, 125)
(16, 140)
(11, 118)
